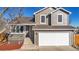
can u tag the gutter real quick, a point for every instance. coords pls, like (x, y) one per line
(22, 24)
(53, 29)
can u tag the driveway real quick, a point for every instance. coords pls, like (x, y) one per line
(58, 48)
(28, 46)
(51, 48)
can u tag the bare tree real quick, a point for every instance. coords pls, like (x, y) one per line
(17, 12)
(11, 16)
(3, 11)
(20, 12)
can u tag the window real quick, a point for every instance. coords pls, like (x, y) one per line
(59, 18)
(17, 29)
(21, 28)
(43, 19)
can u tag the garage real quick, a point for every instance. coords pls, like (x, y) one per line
(53, 38)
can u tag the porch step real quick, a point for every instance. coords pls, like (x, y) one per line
(29, 47)
(27, 42)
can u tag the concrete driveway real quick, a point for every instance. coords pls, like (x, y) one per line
(58, 48)
(28, 46)
(49, 48)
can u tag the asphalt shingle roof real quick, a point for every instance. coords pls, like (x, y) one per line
(46, 27)
(22, 20)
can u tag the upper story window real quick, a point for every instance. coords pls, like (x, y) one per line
(60, 18)
(43, 19)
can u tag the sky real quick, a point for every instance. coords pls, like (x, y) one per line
(28, 11)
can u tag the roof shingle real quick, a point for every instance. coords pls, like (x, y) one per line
(46, 27)
(22, 20)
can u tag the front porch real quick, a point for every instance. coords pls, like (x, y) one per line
(25, 30)
(19, 29)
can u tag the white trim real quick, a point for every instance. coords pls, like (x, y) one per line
(45, 19)
(53, 11)
(16, 33)
(53, 29)
(22, 24)
(62, 9)
(43, 9)
(66, 10)
(62, 19)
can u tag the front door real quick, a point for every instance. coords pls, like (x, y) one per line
(49, 19)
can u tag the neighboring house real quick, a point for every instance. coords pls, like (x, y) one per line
(51, 27)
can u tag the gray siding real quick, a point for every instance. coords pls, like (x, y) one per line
(46, 12)
(55, 20)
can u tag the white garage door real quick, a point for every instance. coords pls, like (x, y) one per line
(53, 39)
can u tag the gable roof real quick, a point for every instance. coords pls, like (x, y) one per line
(62, 9)
(43, 9)
(56, 9)
(22, 20)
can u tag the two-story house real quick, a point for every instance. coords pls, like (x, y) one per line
(51, 27)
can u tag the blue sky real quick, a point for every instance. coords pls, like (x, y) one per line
(28, 11)
(74, 17)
